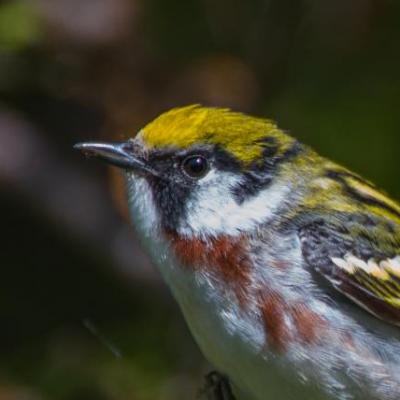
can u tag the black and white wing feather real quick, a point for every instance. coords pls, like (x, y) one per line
(360, 260)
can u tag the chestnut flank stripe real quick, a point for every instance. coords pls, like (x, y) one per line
(224, 255)
(274, 312)
(308, 323)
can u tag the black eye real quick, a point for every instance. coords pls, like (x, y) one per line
(195, 166)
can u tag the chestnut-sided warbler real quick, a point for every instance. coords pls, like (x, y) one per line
(286, 265)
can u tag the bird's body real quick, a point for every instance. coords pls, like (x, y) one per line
(285, 265)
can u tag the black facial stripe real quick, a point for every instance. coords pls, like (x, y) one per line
(339, 176)
(224, 161)
(171, 193)
(255, 177)
(170, 198)
(260, 175)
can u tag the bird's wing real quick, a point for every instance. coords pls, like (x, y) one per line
(360, 256)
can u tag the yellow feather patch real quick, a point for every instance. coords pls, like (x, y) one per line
(380, 278)
(368, 190)
(380, 270)
(239, 134)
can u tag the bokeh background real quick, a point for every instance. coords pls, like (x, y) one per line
(83, 315)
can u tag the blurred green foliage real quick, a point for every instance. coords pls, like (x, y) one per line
(19, 25)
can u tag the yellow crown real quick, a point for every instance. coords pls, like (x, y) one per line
(241, 135)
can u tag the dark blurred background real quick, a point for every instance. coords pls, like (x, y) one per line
(83, 314)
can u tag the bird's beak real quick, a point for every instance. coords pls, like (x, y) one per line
(122, 155)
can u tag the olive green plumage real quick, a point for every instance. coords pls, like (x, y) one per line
(356, 234)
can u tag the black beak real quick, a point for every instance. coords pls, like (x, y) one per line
(122, 155)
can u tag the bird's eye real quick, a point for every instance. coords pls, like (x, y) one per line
(195, 166)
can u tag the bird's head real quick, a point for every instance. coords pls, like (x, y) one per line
(205, 171)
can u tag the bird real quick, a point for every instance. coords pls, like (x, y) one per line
(285, 265)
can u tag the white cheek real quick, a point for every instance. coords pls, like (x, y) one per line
(214, 210)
